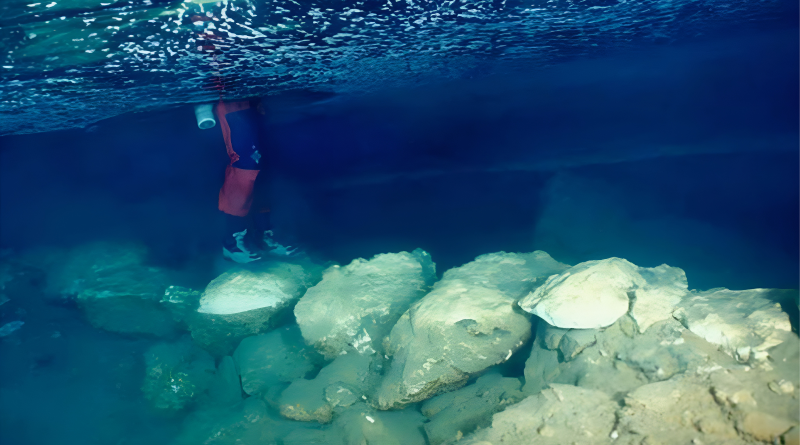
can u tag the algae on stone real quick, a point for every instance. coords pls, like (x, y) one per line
(177, 374)
(225, 389)
(181, 302)
(247, 422)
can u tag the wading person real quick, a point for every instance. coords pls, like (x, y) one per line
(241, 124)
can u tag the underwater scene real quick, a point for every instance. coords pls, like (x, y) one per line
(399, 222)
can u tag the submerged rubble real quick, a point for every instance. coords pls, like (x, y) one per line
(380, 352)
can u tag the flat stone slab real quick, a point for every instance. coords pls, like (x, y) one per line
(248, 300)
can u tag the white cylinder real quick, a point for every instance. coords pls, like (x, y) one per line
(205, 116)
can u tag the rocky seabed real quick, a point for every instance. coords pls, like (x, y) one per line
(511, 348)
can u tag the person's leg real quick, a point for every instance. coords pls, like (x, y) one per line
(235, 200)
(261, 208)
(239, 126)
(262, 221)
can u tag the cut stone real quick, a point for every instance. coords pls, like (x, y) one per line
(225, 388)
(466, 324)
(575, 341)
(455, 331)
(681, 409)
(361, 424)
(354, 307)
(664, 288)
(514, 274)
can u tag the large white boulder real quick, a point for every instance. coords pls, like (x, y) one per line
(466, 324)
(595, 294)
(590, 295)
(248, 300)
(355, 306)
(745, 324)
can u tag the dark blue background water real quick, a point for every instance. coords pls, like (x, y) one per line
(682, 155)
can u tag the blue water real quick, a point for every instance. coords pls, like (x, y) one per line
(680, 149)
